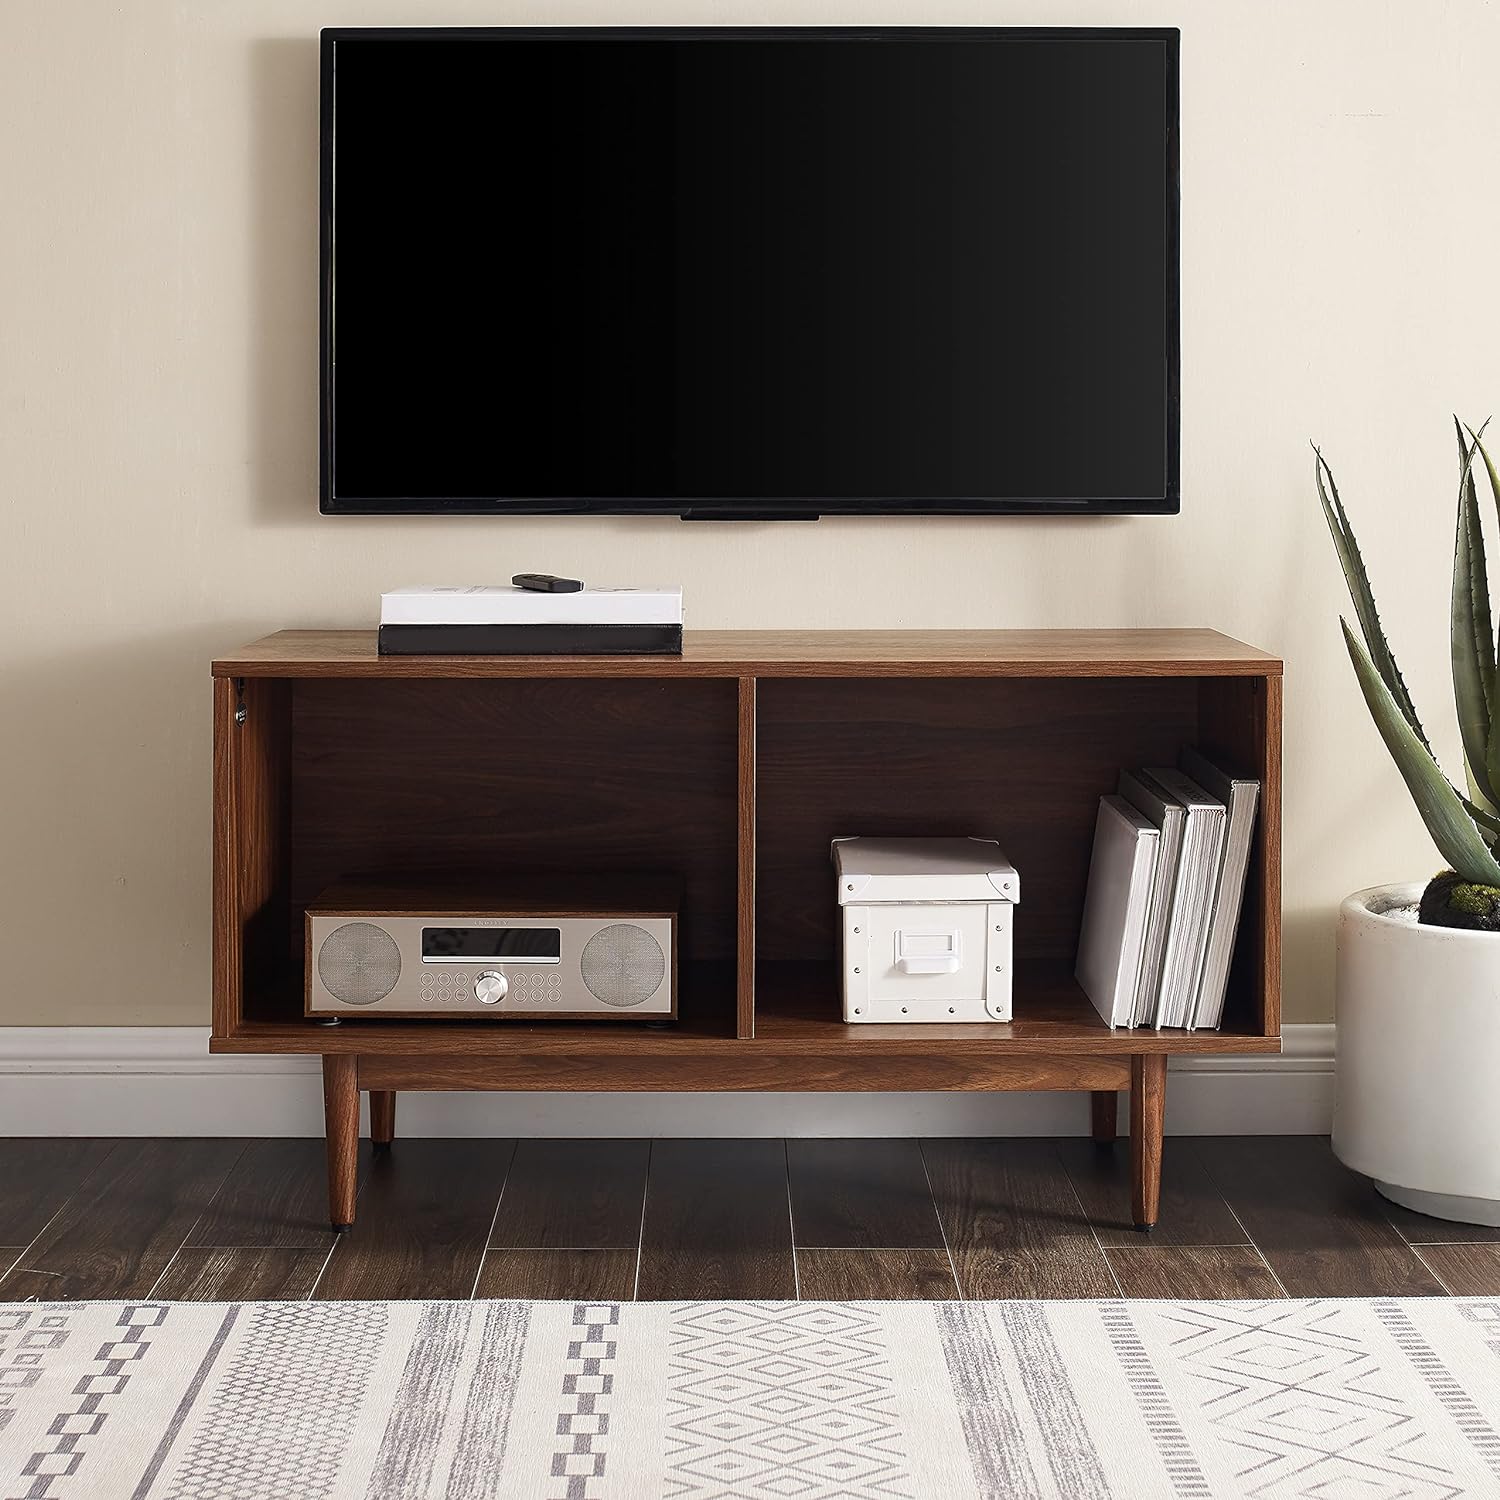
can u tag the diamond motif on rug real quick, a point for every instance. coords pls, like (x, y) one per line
(814, 1422)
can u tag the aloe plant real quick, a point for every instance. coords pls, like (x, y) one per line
(1464, 824)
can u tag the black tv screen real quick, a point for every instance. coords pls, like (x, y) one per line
(749, 272)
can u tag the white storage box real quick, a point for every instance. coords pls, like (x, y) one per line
(926, 933)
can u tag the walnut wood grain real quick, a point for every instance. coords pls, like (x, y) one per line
(251, 830)
(717, 1223)
(243, 1275)
(1020, 761)
(724, 768)
(738, 1071)
(789, 653)
(1191, 1210)
(873, 1275)
(559, 1275)
(861, 1194)
(1465, 1269)
(341, 1132)
(746, 857)
(1057, 1037)
(275, 1198)
(38, 1176)
(1240, 729)
(578, 1194)
(1190, 1272)
(115, 1237)
(382, 1116)
(798, 1015)
(1317, 1224)
(1148, 1106)
(425, 1215)
(549, 778)
(1013, 1224)
(1104, 1115)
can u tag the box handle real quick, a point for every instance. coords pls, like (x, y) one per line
(929, 952)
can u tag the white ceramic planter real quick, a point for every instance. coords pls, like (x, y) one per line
(1418, 1012)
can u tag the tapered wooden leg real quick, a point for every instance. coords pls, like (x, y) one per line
(382, 1118)
(1148, 1102)
(341, 1127)
(1104, 1106)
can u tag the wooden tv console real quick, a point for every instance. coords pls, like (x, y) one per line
(733, 765)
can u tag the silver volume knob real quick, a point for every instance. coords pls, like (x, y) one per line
(490, 987)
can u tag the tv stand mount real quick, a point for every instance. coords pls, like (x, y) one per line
(724, 513)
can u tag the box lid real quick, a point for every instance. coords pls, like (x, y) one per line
(875, 870)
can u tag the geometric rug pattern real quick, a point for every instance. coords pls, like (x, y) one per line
(1319, 1400)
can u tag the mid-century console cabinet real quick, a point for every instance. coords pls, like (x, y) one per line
(733, 766)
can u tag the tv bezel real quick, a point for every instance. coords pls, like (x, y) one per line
(734, 507)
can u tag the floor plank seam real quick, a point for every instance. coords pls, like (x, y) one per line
(172, 1261)
(1109, 1265)
(554, 1249)
(1196, 1245)
(937, 1213)
(360, 1184)
(313, 1289)
(203, 1213)
(26, 1249)
(791, 1220)
(1446, 1244)
(489, 1235)
(640, 1237)
(1250, 1239)
(1431, 1269)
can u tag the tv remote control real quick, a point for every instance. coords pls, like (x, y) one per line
(545, 583)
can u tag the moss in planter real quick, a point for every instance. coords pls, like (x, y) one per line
(1451, 901)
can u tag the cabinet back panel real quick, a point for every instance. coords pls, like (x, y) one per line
(1021, 760)
(406, 778)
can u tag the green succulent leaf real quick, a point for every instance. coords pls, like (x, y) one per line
(1448, 822)
(1486, 817)
(1472, 636)
(1492, 751)
(1379, 651)
(1477, 440)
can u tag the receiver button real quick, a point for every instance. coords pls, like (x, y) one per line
(490, 987)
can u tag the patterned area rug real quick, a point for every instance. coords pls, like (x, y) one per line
(804, 1401)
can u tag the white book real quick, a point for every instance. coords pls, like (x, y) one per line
(1112, 939)
(505, 604)
(1241, 796)
(1146, 794)
(1192, 901)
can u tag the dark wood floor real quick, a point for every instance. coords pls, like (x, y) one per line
(229, 1219)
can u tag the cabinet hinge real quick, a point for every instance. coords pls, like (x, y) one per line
(241, 713)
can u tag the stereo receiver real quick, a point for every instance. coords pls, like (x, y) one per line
(601, 949)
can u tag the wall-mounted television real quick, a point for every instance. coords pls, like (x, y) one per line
(731, 272)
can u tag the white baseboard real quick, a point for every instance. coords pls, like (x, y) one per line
(160, 1080)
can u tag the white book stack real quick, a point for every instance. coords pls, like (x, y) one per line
(1176, 935)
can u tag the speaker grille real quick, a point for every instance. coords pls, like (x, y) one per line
(622, 965)
(359, 963)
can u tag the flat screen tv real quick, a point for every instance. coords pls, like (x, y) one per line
(745, 273)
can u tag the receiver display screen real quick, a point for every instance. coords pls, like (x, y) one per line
(533, 944)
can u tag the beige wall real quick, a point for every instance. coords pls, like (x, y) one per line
(158, 184)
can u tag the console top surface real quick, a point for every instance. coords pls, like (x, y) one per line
(791, 653)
